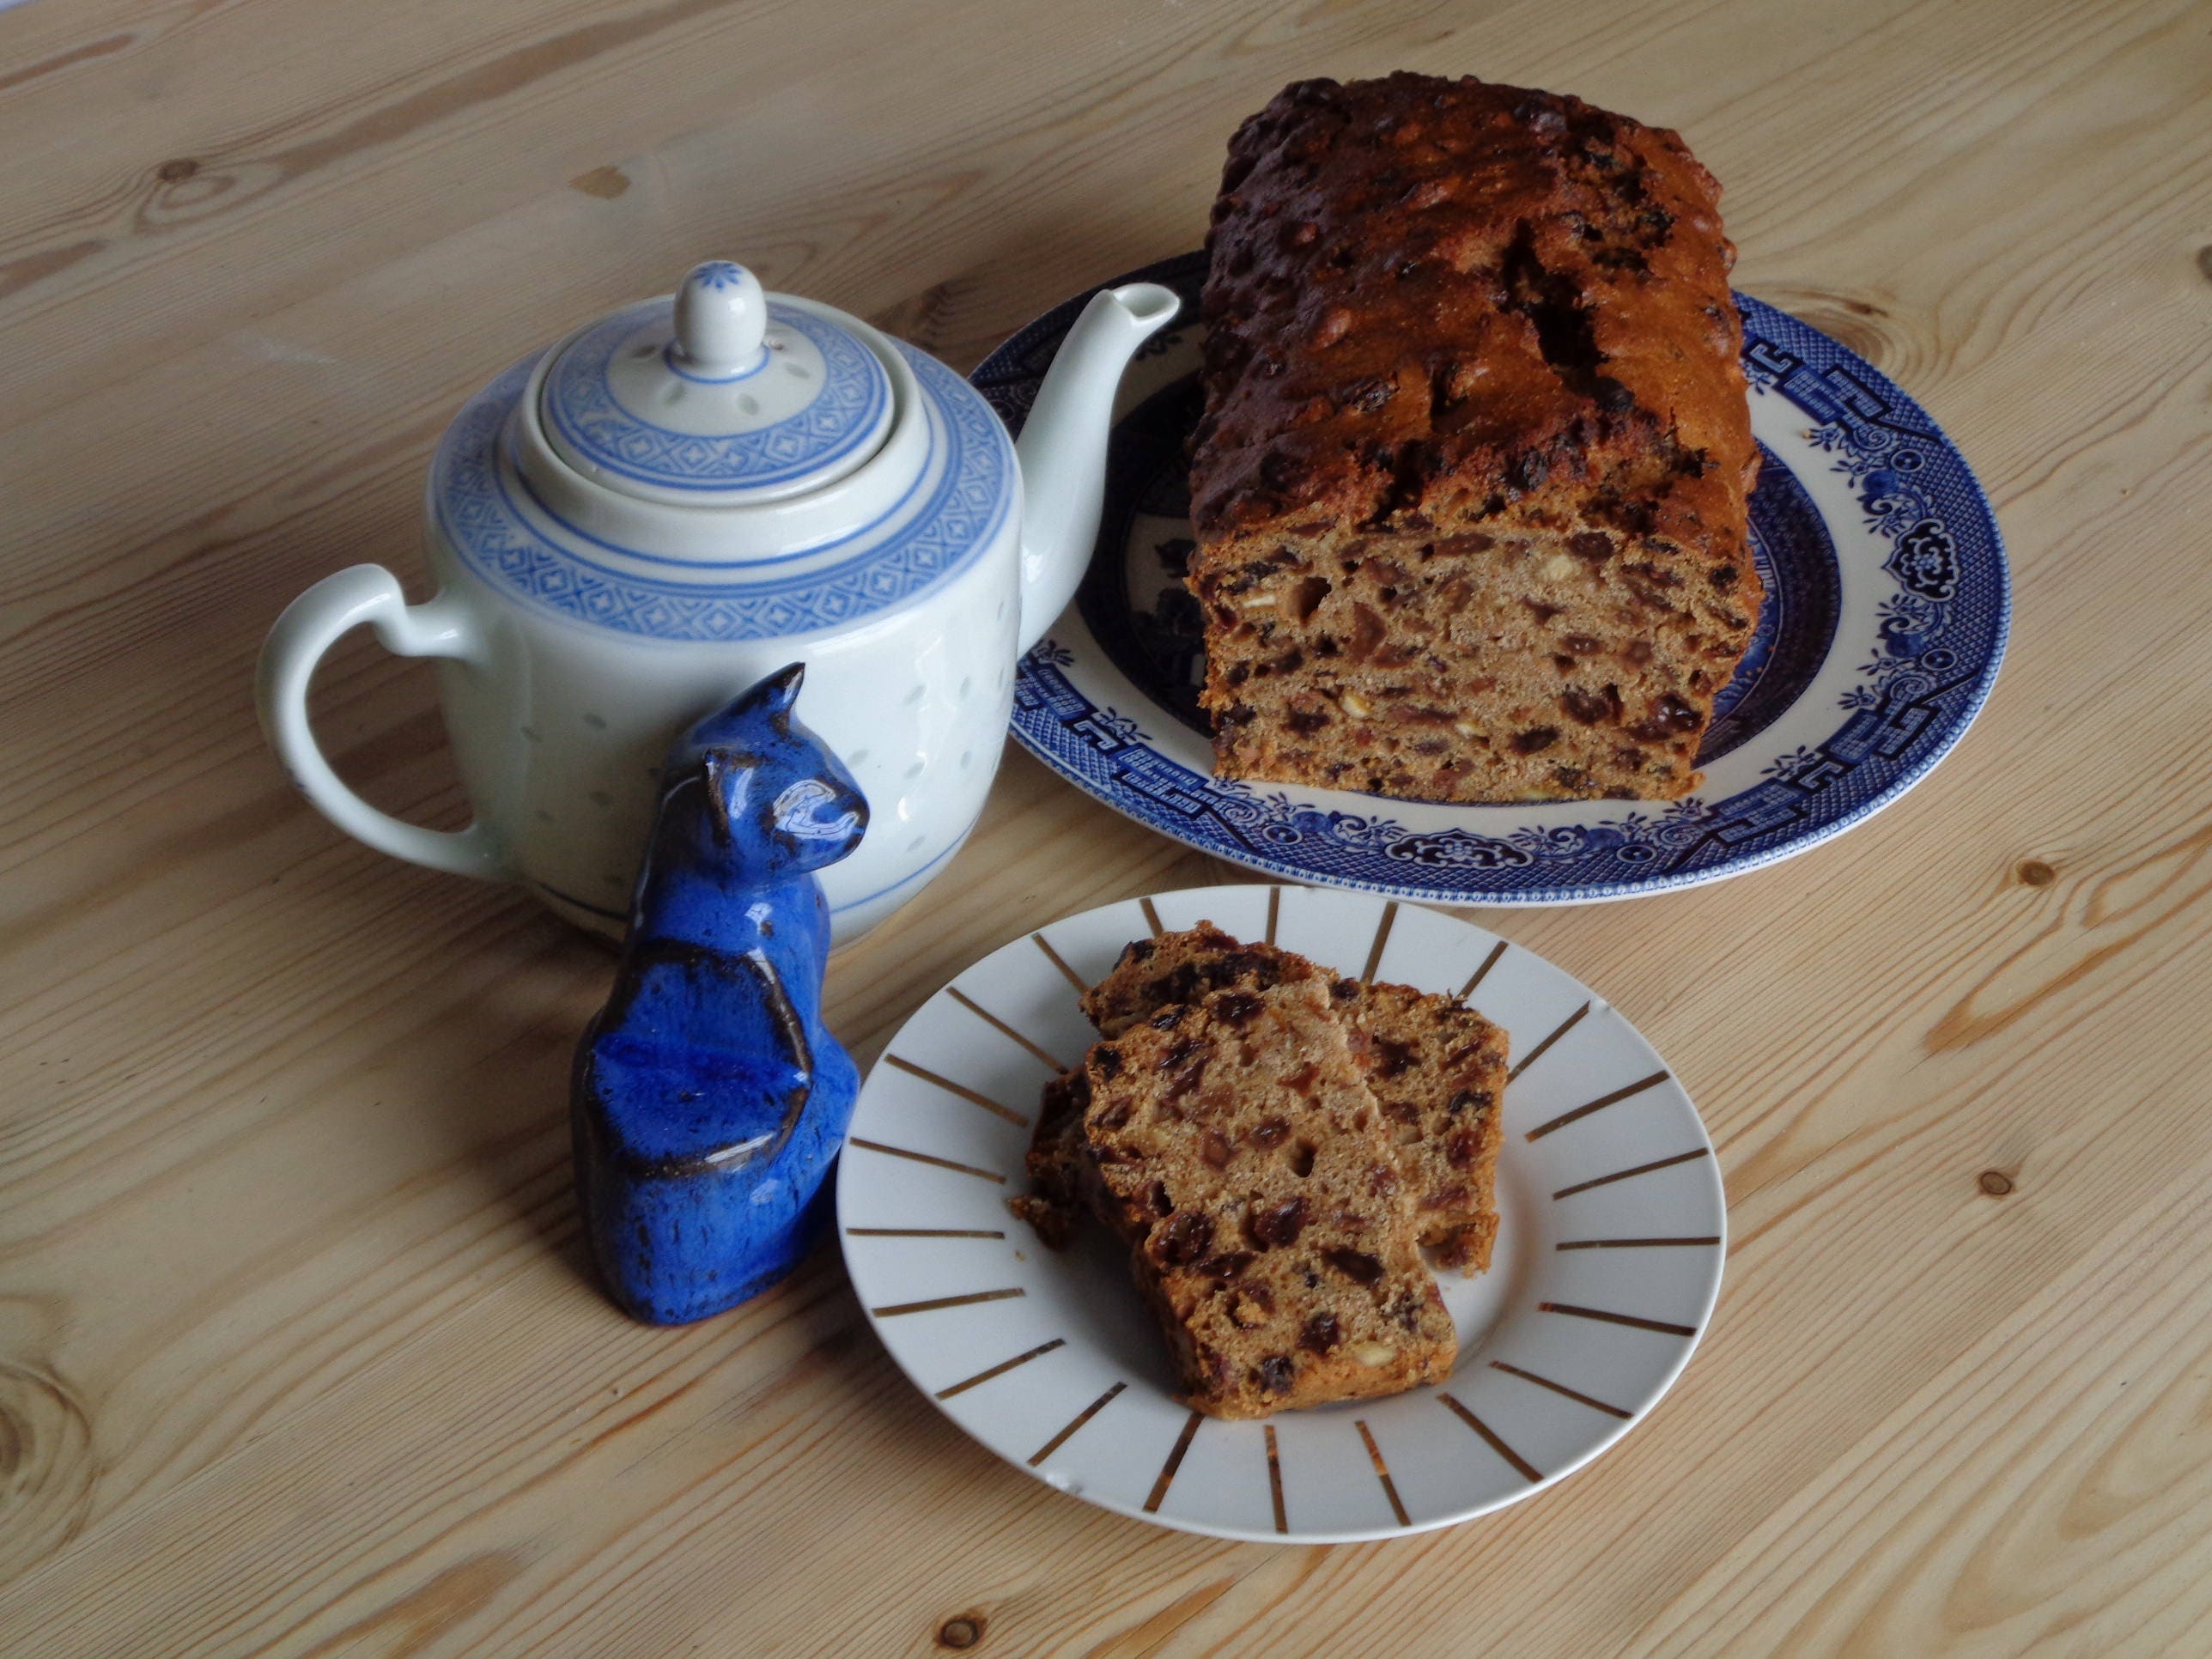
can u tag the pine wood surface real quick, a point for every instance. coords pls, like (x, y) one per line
(297, 1351)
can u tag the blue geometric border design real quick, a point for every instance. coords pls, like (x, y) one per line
(842, 415)
(1943, 637)
(961, 516)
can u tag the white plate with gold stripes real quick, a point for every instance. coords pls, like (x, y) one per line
(1612, 1226)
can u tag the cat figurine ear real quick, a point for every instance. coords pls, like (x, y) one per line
(709, 1101)
(772, 699)
(779, 692)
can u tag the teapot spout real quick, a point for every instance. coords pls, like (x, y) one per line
(1063, 448)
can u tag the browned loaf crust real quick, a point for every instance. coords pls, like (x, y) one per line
(1469, 491)
(1237, 1152)
(1437, 1069)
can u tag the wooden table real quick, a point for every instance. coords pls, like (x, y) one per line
(297, 1349)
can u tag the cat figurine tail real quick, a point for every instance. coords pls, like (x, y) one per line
(708, 1100)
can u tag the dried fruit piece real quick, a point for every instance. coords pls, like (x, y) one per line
(1357, 1266)
(1184, 1239)
(1670, 717)
(1586, 707)
(1236, 1008)
(1281, 1224)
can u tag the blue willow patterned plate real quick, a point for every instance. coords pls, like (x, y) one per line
(1886, 610)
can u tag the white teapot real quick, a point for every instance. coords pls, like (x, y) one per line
(683, 497)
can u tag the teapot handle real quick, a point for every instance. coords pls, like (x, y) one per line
(365, 594)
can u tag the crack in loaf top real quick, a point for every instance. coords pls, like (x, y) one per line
(1434, 298)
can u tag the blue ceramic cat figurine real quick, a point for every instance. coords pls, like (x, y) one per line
(709, 1101)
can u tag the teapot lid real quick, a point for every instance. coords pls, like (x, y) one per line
(720, 395)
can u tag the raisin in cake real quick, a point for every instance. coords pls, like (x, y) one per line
(1233, 1146)
(1469, 489)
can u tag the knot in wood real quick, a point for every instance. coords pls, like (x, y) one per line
(961, 1630)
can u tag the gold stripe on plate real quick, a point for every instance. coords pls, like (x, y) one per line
(1382, 939)
(1537, 1053)
(1630, 1243)
(926, 1157)
(1001, 1368)
(959, 1089)
(1599, 1104)
(1151, 917)
(936, 1303)
(1275, 1480)
(1383, 1472)
(1167, 1469)
(923, 1232)
(1559, 1387)
(1527, 1470)
(1641, 1169)
(1483, 972)
(1059, 961)
(1639, 1322)
(1075, 1422)
(1274, 911)
(992, 1020)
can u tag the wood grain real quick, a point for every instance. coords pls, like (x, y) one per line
(297, 1351)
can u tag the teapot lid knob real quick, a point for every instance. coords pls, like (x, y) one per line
(721, 315)
(720, 395)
